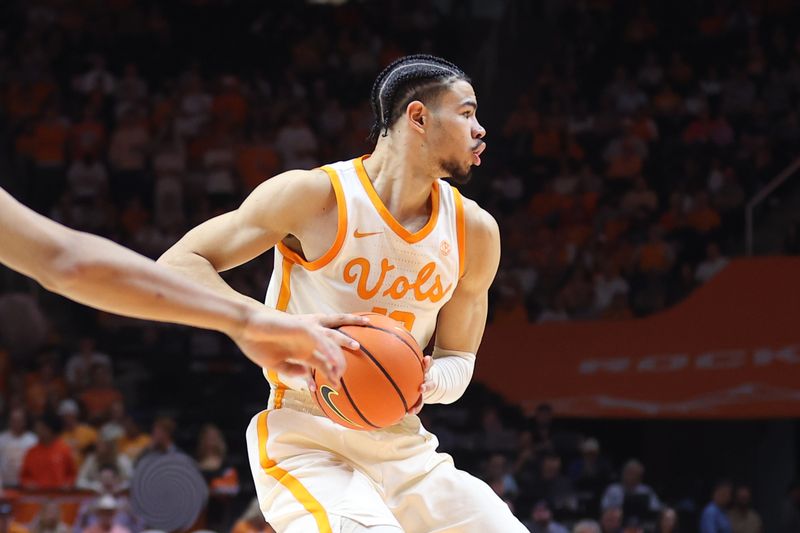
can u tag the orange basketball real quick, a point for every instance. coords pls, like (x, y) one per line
(382, 378)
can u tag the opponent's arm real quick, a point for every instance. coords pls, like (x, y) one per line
(97, 272)
(279, 207)
(462, 320)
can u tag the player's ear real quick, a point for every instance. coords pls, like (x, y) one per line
(416, 113)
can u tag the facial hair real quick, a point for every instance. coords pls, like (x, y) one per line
(455, 172)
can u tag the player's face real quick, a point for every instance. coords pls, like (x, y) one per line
(457, 136)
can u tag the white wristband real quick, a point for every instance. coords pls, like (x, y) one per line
(450, 373)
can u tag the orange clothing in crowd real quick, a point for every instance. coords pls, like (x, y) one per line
(654, 257)
(230, 108)
(625, 166)
(38, 392)
(50, 140)
(547, 144)
(256, 163)
(48, 466)
(546, 203)
(98, 401)
(704, 220)
(225, 483)
(133, 447)
(87, 138)
(79, 439)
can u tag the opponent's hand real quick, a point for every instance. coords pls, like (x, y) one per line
(328, 322)
(426, 387)
(291, 344)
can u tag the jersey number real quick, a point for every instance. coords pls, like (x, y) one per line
(405, 317)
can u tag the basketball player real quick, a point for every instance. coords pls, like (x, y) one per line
(378, 233)
(97, 272)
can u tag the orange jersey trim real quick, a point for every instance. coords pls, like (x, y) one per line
(460, 231)
(283, 477)
(387, 216)
(341, 229)
(283, 303)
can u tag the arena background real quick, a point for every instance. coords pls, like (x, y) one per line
(627, 141)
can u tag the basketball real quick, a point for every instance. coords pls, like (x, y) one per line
(382, 379)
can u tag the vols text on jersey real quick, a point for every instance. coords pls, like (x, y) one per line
(358, 269)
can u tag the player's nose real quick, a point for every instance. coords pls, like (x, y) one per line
(479, 132)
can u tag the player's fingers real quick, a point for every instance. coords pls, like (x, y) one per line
(417, 407)
(343, 340)
(427, 363)
(342, 319)
(327, 356)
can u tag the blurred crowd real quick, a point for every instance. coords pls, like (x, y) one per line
(621, 154)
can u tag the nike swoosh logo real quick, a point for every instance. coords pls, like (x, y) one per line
(326, 393)
(358, 235)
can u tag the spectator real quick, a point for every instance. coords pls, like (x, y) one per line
(50, 463)
(162, 435)
(96, 80)
(110, 485)
(667, 521)
(131, 91)
(78, 366)
(633, 525)
(114, 428)
(714, 518)
(7, 522)
(713, 263)
(14, 444)
(105, 454)
(742, 516)
(100, 394)
(552, 486)
(87, 178)
(45, 388)
(130, 145)
(133, 442)
(631, 492)
(297, 143)
(88, 137)
(640, 202)
(590, 474)
(49, 520)
(541, 520)
(608, 283)
(105, 510)
(498, 476)
(221, 476)
(611, 520)
(80, 437)
(586, 526)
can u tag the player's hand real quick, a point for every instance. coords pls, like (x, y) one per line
(291, 345)
(328, 322)
(426, 387)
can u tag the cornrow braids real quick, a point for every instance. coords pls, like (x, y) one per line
(415, 77)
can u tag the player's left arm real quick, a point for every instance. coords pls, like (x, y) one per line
(462, 320)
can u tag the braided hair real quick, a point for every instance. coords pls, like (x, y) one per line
(416, 77)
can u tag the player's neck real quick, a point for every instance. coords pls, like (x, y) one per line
(403, 185)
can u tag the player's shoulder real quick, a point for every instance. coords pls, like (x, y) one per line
(308, 186)
(479, 222)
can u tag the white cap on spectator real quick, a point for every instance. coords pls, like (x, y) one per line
(106, 503)
(68, 407)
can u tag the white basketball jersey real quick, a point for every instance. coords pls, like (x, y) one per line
(374, 264)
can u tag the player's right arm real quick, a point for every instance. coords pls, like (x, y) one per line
(281, 206)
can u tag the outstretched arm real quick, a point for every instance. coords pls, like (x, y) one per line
(97, 272)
